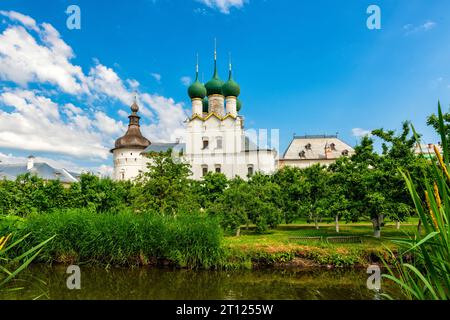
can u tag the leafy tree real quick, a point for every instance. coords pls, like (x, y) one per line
(368, 188)
(210, 188)
(232, 206)
(244, 202)
(398, 154)
(317, 179)
(165, 187)
(295, 190)
(433, 121)
(265, 203)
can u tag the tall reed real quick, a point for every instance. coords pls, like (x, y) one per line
(423, 268)
(125, 238)
(23, 260)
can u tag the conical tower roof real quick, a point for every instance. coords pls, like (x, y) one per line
(133, 138)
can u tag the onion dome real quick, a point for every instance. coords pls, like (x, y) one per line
(214, 86)
(197, 90)
(238, 105)
(205, 105)
(231, 88)
(133, 138)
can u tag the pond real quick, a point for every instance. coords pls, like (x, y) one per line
(97, 283)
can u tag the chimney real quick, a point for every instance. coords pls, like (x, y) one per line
(30, 163)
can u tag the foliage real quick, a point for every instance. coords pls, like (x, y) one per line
(210, 188)
(243, 202)
(295, 191)
(23, 259)
(427, 274)
(123, 238)
(166, 186)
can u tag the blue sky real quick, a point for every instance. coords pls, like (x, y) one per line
(305, 67)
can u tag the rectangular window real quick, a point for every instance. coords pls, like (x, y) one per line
(205, 144)
(250, 171)
(204, 171)
(219, 143)
(218, 169)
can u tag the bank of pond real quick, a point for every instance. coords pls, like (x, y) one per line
(185, 241)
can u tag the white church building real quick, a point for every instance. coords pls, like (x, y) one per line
(215, 139)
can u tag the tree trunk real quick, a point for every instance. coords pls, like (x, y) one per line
(316, 222)
(376, 226)
(377, 233)
(238, 232)
(336, 219)
(397, 225)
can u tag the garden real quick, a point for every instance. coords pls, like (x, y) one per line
(395, 204)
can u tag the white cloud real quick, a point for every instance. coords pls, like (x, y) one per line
(170, 119)
(157, 77)
(45, 58)
(412, 29)
(133, 83)
(104, 170)
(358, 132)
(70, 110)
(25, 20)
(123, 113)
(223, 6)
(34, 121)
(108, 125)
(105, 82)
(24, 60)
(186, 81)
(35, 124)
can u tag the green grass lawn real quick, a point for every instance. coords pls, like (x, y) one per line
(278, 242)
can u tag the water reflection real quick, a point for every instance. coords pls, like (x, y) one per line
(162, 284)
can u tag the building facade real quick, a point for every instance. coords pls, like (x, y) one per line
(306, 151)
(215, 139)
(41, 169)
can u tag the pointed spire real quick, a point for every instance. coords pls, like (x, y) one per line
(134, 106)
(215, 49)
(197, 90)
(216, 74)
(231, 88)
(231, 68)
(196, 70)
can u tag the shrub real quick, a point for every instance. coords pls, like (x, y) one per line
(124, 238)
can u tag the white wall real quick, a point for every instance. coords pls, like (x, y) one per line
(231, 158)
(128, 163)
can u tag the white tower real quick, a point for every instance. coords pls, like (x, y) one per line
(127, 153)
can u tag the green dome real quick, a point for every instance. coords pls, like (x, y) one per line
(214, 86)
(197, 90)
(238, 105)
(205, 105)
(231, 88)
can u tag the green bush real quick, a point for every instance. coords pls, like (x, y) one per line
(124, 238)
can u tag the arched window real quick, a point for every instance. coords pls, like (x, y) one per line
(204, 170)
(250, 170)
(219, 143)
(205, 143)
